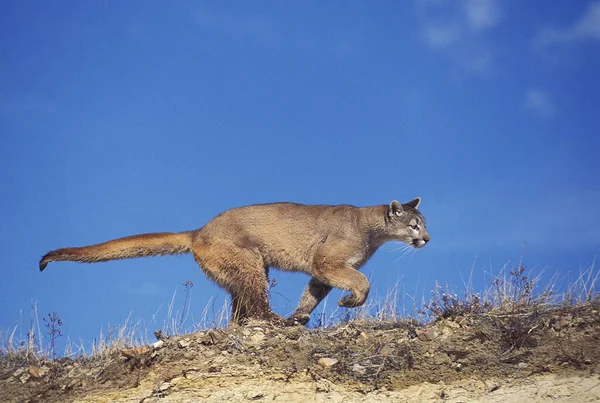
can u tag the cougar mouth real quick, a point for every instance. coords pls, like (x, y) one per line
(418, 243)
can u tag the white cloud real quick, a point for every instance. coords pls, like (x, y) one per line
(438, 36)
(458, 36)
(479, 61)
(539, 102)
(482, 14)
(587, 27)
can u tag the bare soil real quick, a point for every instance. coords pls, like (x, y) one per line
(542, 355)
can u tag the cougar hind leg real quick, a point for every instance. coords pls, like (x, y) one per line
(243, 274)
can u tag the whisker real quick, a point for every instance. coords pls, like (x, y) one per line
(406, 249)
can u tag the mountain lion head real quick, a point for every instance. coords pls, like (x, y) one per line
(406, 224)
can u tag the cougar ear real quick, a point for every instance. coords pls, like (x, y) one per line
(395, 209)
(414, 203)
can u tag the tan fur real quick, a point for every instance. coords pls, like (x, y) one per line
(236, 249)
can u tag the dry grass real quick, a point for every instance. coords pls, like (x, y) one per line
(511, 292)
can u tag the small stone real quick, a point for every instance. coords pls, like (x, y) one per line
(35, 372)
(522, 365)
(158, 344)
(183, 343)
(164, 386)
(255, 395)
(134, 352)
(324, 386)
(327, 362)
(256, 339)
(452, 324)
(387, 350)
(359, 369)
(212, 337)
(72, 384)
(177, 380)
(427, 334)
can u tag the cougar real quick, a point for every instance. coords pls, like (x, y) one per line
(236, 249)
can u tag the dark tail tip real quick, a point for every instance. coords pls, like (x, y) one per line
(43, 263)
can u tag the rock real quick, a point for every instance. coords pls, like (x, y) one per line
(256, 339)
(163, 386)
(37, 372)
(134, 352)
(212, 337)
(294, 333)
(562, 322)
(159, 335)
(427, 334)
(158, 344)
(452, 324)
(326, 362)
(22, 375)
(255, 394)
(324, 386)
(522, 365)
(387, 350)
(441, 358)
(359, 369)
(183, 343)
(24, 378)
(74, 383)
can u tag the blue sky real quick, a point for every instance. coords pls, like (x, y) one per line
(120, 118)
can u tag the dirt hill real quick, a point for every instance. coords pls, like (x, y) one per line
(541, 355)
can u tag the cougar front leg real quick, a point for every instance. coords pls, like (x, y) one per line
(351, 280)
(312, 296)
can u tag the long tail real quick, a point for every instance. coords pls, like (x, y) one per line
(163, 243)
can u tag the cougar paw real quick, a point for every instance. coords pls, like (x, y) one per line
(349, 301)
(298, 320)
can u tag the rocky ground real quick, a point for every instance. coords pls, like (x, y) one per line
(541, 355)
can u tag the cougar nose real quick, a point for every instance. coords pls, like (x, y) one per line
(426, 238)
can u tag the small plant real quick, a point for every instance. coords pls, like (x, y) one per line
(53, 323)
(585, 288)
(272, 284)
(447, 304)
(188, 284)
(30, 344)
(515, 294)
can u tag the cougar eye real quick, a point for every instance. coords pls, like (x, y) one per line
(415, 227)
